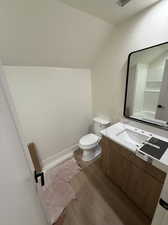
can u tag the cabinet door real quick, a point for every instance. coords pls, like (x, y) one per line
(115, 165)
(141, 182)
(105, 155)
(143, 189)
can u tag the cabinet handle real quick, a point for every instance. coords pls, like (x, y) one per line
(37, 175)
(160, 106)
(163, 204)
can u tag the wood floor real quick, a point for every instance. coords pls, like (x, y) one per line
(99, 202)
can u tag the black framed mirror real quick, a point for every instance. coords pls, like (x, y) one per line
(146, 95)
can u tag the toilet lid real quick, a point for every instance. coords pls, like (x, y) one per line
(89, 139)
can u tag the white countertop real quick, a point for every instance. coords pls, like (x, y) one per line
(113, 131)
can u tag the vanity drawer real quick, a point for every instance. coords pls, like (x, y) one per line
(118, 149)
(148, 168)
(112, 148)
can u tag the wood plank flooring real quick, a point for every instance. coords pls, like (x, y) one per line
(99, 202)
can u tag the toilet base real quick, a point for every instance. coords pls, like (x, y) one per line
(90, 154)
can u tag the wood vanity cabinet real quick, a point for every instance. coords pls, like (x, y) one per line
(140, 181)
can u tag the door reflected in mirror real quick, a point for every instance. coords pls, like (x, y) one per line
(147, 85)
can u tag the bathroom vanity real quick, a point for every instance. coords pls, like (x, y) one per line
(137, 177)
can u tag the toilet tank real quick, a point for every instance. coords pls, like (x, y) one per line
(100, 124)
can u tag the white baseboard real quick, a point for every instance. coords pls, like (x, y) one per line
(59, 157)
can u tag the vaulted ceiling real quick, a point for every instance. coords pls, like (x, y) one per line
(49, 33)
(52, 33)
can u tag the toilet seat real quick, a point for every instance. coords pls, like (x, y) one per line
(89, 141)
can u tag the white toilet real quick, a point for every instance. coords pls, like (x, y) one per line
(90, 142)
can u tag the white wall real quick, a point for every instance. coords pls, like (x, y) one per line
(109, 73)
(49, 33)
(53, 105)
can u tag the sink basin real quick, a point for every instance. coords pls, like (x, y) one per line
(132, 137)
(126, 135)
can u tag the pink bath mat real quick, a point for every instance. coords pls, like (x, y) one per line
(57, 192)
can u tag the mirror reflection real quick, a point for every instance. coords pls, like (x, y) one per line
(147, 87)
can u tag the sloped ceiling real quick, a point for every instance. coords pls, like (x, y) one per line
(52, 33)
(49, 33)
(108, 10)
